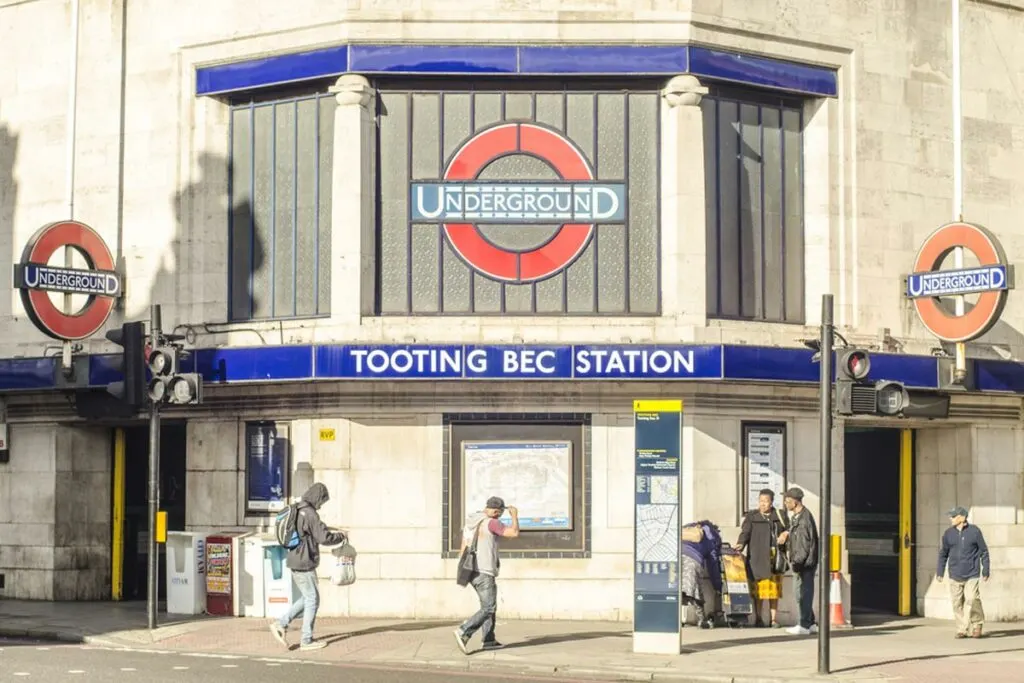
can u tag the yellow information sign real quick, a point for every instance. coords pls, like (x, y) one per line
(658, 406)
(327, 434)
(161, 526)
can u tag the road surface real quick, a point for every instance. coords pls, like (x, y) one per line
(37, 662)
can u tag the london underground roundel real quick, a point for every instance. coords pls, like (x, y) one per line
(36, 279)
(575, 202)
(991, 280)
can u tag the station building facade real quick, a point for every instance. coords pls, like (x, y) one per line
(395, 232)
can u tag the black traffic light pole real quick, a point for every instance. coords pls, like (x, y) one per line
(152, 570)
(825, 515)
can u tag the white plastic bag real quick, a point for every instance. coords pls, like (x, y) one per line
(344, 571)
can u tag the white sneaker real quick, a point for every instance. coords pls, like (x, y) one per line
(813, 628)
(798, 630)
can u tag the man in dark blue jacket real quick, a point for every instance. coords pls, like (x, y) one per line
(963, 548)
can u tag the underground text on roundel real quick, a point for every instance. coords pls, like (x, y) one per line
(954, 282)
(523, 362)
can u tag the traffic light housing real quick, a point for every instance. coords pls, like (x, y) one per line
(163, 364)
(131, 390)
(856, 394)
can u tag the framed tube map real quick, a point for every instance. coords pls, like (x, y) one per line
(534, 476)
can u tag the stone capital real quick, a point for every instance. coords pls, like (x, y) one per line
(353, 90)
(684, 90)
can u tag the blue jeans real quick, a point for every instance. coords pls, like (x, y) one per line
(805, 596)
(486, 587)
(307, 604)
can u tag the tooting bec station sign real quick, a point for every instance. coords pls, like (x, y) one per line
(991, 280)
(37, 279)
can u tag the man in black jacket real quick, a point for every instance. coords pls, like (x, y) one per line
(963, 547)
(802, 541)
(303, 561)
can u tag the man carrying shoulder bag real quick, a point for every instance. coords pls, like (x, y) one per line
(479, 566)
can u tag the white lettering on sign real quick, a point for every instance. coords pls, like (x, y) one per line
(633, 361)
(402, 361)
(528, 361)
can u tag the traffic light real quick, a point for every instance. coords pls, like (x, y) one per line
(131, 390)
(162, 361)
(186, 389)
(858, 395)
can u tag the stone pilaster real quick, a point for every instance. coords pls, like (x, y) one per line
(683, 229)
(353, 206)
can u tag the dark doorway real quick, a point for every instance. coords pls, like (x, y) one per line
(873, 518)
(136, 508)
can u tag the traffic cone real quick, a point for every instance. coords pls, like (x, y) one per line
(835, 600)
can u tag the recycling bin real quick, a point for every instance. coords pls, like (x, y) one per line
(186, 572)
(279, 592)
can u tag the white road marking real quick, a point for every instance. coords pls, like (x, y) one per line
(273, 664)
(229, 666)
(76, 671)
(181, 668)
(127, 668)
(21, 673)
(42, 649)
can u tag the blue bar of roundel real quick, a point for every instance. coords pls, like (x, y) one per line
(519, 362)
(999, 375)
(275, 70)
(27, 373)
(754, 70)
(914, 371)
(686, 362)
(772, 364)
(379, 362)
(252, 364)
(433, 59)
(604, 59)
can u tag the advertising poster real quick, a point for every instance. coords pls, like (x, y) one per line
(218, 568)
(267, 465)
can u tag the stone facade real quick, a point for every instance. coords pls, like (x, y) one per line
(151, 177)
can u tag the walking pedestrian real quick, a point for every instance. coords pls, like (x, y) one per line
(964, 550)
(802, 541)
(488, 529)
(303, 561)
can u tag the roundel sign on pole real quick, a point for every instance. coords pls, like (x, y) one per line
(36, 279)
(575, 202)
(991, 280)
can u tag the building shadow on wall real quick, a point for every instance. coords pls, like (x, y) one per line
(8, 197)
(212, 234)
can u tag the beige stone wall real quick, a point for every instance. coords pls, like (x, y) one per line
(878, 158)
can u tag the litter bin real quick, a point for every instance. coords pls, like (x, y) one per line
(250, 577)
(222, 551)
(186, 572)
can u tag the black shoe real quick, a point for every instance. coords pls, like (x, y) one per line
(492, 645)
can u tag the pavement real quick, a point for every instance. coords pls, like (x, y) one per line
(906, 650)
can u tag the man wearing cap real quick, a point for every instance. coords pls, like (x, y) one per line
(488, 530)
(802, 541)
(963, 548)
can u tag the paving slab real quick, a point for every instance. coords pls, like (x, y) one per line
(907, 650)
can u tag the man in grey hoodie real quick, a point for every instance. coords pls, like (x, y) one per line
(303, 561)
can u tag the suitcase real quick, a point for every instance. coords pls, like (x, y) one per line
(737, 604)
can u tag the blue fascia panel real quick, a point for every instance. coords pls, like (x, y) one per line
(999, 375)
(433, 59)
(919, 372)
(273, 70)
(21, 374)
(470, 60)
(252, 364)
(602, 60)
(768, 364)
(764, 72)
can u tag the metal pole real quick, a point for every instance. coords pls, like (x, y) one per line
(825, 515)
(152, 570)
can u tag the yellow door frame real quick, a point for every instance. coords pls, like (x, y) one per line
(906, 539)
(117, 520)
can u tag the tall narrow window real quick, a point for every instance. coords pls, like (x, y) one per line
(755, 234)
(280, 192)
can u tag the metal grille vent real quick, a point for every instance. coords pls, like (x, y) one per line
(863, 399)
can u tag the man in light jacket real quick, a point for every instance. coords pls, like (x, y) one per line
(964, 549)
(303, 561)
